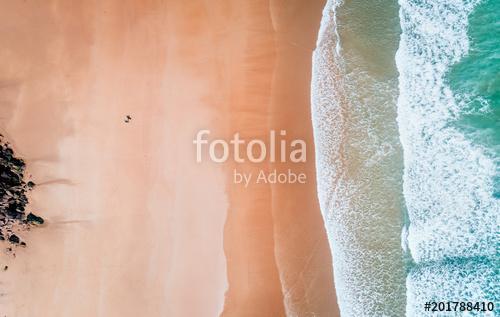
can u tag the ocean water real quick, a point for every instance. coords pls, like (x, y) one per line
(358, 154)
(475, 79)
(406, 116)
(448, 115)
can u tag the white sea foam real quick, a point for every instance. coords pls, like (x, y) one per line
(448, 180)
(358, 170)
(470, 280)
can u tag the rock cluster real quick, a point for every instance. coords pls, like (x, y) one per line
(13, 198)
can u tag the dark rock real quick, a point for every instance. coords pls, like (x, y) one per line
(13, 193)
(14, 239)
(32, 218)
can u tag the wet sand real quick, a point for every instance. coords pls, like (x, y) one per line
(135, 227)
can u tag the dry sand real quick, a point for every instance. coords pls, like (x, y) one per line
(135, 227)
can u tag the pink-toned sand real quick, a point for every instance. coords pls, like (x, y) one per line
(135, 227)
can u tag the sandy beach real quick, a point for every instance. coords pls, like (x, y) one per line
(134, 225)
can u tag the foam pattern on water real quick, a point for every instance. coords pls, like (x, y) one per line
(448, 180)
(471, 279)
(359, 173)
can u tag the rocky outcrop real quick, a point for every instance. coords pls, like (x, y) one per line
(13, 195)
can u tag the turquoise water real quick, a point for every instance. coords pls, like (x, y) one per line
(476, 82)
(408, 155)
(448, 115)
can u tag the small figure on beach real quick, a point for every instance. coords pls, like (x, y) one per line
(128, 118)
